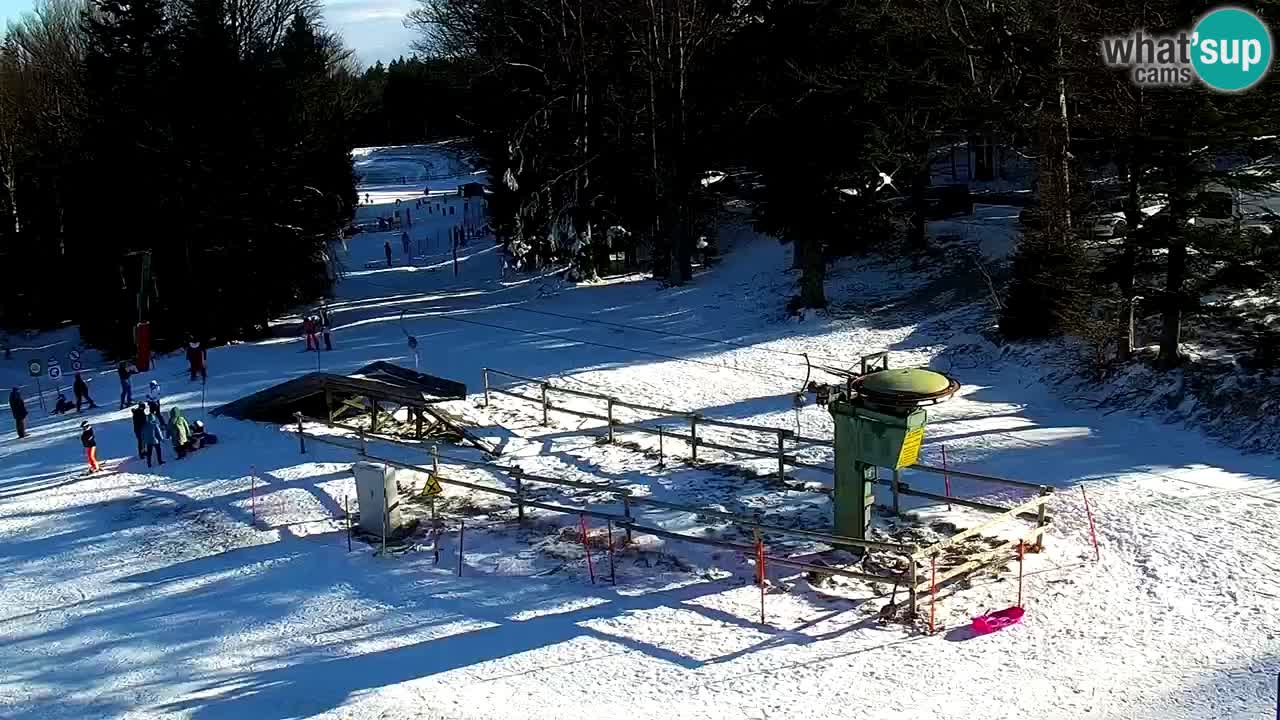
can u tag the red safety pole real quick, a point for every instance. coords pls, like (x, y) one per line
(1021, 553)
(760, 575)
(946, 477)
(613, 573)
(933, 588)
(1093, 532)
(582, 523)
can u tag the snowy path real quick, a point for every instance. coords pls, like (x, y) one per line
(153, 594)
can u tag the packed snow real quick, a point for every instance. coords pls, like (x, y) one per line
(221, 586)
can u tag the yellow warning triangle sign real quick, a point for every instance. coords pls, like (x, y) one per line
(432, 488)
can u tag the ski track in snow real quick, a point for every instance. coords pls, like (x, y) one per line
(198, 591)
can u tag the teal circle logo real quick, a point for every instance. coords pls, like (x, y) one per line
(1231, 49)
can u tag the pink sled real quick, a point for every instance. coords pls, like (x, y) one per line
(993, 621)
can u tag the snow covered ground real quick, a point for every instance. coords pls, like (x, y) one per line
(220, 586)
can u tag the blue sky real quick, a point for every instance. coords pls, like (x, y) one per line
(374, 28)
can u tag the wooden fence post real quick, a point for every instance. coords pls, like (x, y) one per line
(364, 444)
(610, 416)
(519, 498)
(660, 461)
(485, 371)
(897, 479)
(346, 505)
(626, 512)
(693, 436)
(782, 456)
(1041, 518)
(302, 438)
(911, 581)
(545, 421)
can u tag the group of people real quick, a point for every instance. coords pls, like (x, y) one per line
(149, 426)
(151, 430)
(314, 327)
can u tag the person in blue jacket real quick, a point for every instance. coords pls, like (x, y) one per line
(154, 435)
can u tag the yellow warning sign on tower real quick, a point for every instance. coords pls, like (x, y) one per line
(432, 488)
(910, 448)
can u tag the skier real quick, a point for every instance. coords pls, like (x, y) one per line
(81, 390)
(126, 385)
(179, 432)
(139, 427)
(324, 327)
(154, 435)
(62, 405)
(90, 445)
(153, 397)
(387, 247)
(404, 242)
(201, 438)
(196, 360)
(19, 410)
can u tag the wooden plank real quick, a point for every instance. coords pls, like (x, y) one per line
(743, 426)
(578, 413)
(978, 529)
(753, 523)
(976, 561)
(508, 393)
(513, 376)
(649, 408)
(456, 425)
(979, 477)
(732, 449)
(976, 505)
(578, 393)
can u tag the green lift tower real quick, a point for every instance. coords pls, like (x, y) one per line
(880, 422)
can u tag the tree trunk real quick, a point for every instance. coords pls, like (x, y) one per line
(917, 238)
(1128, 262)
(813, 277)
(1171, 332)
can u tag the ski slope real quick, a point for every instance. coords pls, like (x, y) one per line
(220, 586)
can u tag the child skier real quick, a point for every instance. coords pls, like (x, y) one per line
(90, 445)
(153, 397)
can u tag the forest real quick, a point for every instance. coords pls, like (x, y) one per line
(180, 162)
(599, 122)
(161, 155)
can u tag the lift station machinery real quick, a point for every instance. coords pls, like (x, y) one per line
(880, 419)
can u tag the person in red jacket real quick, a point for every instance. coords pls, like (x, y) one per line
(196, 360)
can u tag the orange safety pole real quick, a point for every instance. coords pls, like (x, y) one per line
(933, 588)
(1093, 532)
(582, 523)
(1021, 553)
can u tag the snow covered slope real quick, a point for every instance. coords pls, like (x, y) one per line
(220, 586)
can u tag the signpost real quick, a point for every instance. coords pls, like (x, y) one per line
(35, 368)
